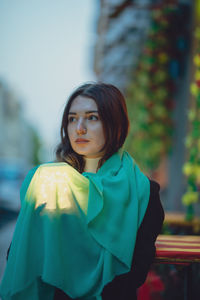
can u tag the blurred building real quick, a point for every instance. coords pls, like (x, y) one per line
(19, 148)
(15, 135)
(122, 30)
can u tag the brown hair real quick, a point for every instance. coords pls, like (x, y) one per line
(113, 114)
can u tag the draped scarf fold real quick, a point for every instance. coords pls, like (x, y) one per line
(75, 231)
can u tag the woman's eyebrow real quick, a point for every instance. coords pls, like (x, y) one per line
(91, 111)
(87, 112)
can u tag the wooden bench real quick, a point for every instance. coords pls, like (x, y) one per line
(179, 249)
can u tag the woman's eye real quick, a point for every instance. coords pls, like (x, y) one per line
(93, 118)
(71, 119)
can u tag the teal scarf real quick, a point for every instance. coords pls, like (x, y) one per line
(75, 231)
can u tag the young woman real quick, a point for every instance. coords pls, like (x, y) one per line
(89, 221)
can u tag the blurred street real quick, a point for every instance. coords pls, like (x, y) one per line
(148, 49)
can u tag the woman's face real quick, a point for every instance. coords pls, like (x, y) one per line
(85, 129)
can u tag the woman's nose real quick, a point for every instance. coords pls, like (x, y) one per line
(81, 128)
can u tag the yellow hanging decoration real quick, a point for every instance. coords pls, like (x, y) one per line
(197, 11)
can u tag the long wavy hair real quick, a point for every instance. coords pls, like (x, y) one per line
(113, 114)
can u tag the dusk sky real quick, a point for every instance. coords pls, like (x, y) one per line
(46, 52)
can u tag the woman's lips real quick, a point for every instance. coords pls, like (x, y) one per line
(81, 141)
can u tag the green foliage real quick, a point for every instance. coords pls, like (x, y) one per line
(36, 144)
(192, 166)
(149, 96)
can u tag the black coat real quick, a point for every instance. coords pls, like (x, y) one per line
(124, 287)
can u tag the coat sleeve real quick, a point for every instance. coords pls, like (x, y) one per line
(125, 285)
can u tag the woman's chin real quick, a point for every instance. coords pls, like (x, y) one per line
(88, 154)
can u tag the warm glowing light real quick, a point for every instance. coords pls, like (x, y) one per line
(57, 186)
